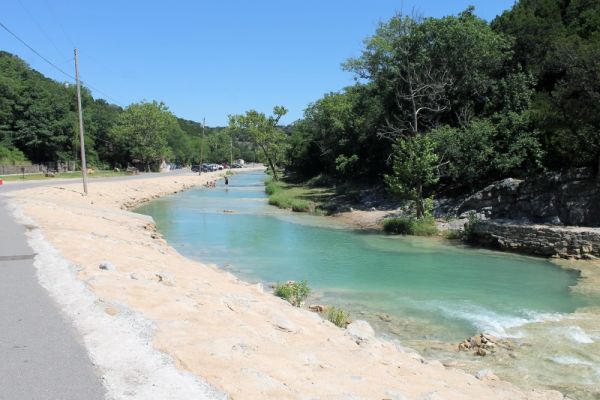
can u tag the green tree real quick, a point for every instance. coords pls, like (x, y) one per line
(338, 137)
(145, 128)
(415, 170)
(558, 42)
(264, 133)
(433, 70)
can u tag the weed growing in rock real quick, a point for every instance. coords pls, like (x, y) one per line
(337, 316)
(294, 292)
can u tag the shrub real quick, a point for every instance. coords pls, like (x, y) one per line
(398, 226)
(410, 226)
(271, 186)
(12, 156)
(424, 226)
(294, 292)
(337, 316)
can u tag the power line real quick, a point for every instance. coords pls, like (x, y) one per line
(56, 66)
(59, 23)
(40, 27)
(36, 52)
(86, 84)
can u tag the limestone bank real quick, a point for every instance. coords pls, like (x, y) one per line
(159, 325)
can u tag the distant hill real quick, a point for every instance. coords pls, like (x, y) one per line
(38, 123)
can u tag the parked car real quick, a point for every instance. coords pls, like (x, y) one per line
(195, 168)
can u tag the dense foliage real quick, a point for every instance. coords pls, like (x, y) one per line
(454, 103)
(38, 123)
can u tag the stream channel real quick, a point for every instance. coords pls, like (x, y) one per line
(427, 294)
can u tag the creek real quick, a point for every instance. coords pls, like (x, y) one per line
(425, 293)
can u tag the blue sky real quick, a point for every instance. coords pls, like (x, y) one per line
(209, 58)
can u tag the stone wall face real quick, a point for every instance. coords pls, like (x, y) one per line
(558, 198)
(542, 240)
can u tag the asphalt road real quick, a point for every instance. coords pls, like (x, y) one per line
(41, 355)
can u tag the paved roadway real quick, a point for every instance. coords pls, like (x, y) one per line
(41, 356)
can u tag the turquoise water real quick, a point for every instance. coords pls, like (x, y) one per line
(433, 294)
(438, 291)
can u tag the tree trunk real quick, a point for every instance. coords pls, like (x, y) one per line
(275, 177)
(271, 165)
(420, 207)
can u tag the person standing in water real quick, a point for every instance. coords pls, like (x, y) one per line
(226, 181)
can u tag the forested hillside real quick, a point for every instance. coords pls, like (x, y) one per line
(38, 123)
(454, 103)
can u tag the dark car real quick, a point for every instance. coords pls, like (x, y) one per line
(195, 168)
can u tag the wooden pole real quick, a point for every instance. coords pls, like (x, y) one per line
(201, 147)
(81, 134)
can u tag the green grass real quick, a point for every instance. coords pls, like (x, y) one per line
(61, 175)
(299, 198)
(294, 292)
(272, 186)
(424, 226)
(410, 226)
(337, 316)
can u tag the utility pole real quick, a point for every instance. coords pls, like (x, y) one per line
(81, 135)
(201, 147)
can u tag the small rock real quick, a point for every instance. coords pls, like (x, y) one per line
(165, 278)
(107, 266)
(360, 331)
(134, 276)
(384, 317)
(317, 308)
(464, 346)
(486, 375)
(481, 352)
(475, 341)
(110, 310)
(489, 338)
(450, 364)
(284, 324)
